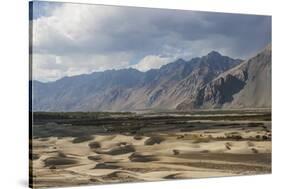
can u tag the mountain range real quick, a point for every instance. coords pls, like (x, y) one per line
(207, 82)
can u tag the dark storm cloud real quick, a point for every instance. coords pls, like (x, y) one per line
(143, 30)
(66, 30)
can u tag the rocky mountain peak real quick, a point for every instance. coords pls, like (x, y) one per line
(211, 81)
(213, 54)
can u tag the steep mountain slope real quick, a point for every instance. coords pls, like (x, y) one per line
(247, 85)
(130, 89)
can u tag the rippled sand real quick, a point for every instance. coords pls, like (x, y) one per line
(151, 156)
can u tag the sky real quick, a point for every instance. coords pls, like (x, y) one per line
(72, 39)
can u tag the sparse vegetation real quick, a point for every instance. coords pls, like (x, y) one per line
(254, 124)
(94, 145)
(118, 150)
(228, 146)
(154, 140)
(233, 136)
(76, 115)
(94, 158)
(35, 156)
(61, 154)
(111, 141)
(205, 151)
(106, 166)
(137, 157)
(255, 150)
(176, 152)
(53, 161)
(82, 139)
(138, 137)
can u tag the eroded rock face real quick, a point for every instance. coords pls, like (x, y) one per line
(221, 90)
(248, 85)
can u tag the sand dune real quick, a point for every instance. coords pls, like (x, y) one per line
(62, 161)
(144, 148)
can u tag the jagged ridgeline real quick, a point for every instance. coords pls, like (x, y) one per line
(211, 81)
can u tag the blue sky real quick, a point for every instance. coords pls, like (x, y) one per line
(71, 39)
(43, 8)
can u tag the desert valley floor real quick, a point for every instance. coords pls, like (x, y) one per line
(99, 148)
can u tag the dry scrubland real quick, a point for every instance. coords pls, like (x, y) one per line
(97, 148)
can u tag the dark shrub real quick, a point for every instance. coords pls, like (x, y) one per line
(53, 161)
(264, 137)
(82, 139)
(176, 152)
(35, 156)
(94, 145)
(255, 150)
(137, 157)
(138, 137)
(106, 166)
(154, 140)
(94, 158)
(118, 150)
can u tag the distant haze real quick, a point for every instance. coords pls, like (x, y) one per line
(72, 39)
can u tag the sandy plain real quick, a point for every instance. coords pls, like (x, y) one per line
(78, 148)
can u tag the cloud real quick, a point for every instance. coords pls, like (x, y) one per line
(151, 62)
(87, 38)
(52, 67)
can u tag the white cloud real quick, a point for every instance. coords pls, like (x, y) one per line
(71, 27)
(151, 62)
(51, 67)
(70, 39)
(46, 68)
